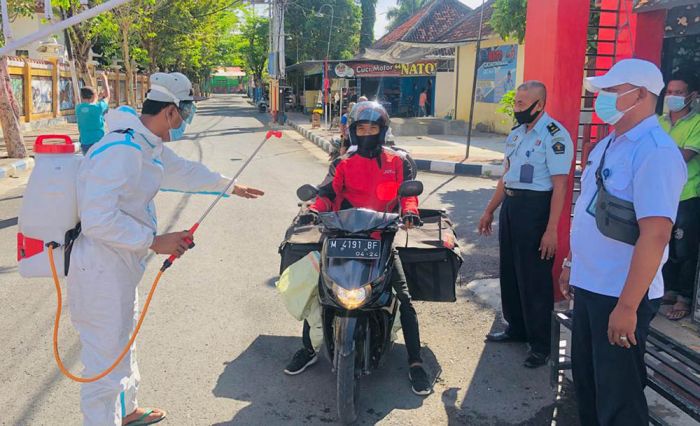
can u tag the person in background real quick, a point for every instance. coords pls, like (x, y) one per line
(344, 129)
(422, 100)
(89, 114)
(683, 125)
(619, 241)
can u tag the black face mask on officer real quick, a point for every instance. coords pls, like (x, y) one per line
(526, 116)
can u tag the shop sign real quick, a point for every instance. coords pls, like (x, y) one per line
(367, 69)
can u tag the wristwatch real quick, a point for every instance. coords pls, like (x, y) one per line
(566, 264)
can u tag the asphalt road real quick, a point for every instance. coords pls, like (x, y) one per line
(217, 338)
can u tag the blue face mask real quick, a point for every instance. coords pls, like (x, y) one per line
(675, 103)
(606, 106)
(176, 134)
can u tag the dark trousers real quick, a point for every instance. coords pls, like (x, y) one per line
(409, 318)
(679, 270)
(85, 148)
(527, 295)
(609, 380)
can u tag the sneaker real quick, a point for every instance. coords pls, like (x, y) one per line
(301, 360)
(419, 381)
(536, 360)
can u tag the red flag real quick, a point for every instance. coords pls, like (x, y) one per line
(326, 81)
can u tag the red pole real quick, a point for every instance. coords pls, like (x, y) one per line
(555, 48)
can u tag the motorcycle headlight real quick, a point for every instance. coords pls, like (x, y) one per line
(352, 299)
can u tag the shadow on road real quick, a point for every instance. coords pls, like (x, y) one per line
(502, 393)
(480, 253)
(6, 223)
(256, 376)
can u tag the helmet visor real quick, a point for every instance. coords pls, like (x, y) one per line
(369, 112)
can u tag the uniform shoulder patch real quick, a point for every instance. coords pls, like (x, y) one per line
(558, 146)
(553, 129)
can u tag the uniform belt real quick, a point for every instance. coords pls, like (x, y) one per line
(526, 193)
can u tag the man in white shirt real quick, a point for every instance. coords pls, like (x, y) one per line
(618, 284)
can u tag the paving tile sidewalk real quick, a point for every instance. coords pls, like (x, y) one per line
(443, 153)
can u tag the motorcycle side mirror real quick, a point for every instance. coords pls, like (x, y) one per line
(411, 188)
(307, 192)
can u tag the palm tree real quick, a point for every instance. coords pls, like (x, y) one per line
(403, 11)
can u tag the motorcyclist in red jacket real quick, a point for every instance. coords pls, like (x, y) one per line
(352, 183)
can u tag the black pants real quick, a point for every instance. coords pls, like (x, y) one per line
(527, 295)
(609, 380)
(409, 318)
(679, 270)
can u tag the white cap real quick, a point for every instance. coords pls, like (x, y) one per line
(636, 72)
(170, 87)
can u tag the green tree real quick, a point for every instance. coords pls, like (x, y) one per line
(369, 17)
(190, 37)
(508, 19)
(83, 37)
(9, 109)
(16, 9)
(308, 28)
(251, 45)
(403, 11)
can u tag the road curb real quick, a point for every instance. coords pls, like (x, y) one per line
(446, 167)
(15, 168)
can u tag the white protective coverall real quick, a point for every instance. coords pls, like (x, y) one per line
(117, 182)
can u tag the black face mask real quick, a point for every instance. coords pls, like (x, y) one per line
(526, 117)
(368, 146)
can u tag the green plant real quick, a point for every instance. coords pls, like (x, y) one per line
(508, 19)
(507, 103)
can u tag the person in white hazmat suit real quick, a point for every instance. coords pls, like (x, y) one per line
(117, 182)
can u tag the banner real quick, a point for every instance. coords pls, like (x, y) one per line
(497, 72)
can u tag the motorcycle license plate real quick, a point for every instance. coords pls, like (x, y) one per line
(348, 248)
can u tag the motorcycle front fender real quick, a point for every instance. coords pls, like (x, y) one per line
(346, 329)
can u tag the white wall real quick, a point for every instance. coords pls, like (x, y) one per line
(24, 26)
(444, 94)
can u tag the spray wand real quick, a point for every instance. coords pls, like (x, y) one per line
(168, 263)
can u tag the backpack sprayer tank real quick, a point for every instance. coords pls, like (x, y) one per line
(49, 209)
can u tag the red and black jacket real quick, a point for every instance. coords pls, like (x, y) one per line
(355, 179)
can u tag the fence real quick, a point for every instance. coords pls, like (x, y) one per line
(44, 89)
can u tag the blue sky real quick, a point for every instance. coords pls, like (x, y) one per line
(384, 5)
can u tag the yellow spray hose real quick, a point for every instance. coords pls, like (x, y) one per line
(59, 300)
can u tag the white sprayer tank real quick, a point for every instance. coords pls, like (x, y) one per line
(49, 208)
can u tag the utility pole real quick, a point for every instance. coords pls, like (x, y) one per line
(277, 63)
(476, 70)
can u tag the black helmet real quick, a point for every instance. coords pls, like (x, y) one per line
(368, 112)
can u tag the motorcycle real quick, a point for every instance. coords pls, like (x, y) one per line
(358, 305)
(262, 105)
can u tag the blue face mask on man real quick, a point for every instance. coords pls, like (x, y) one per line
(187, 112)
(606, 106)
(676, 103)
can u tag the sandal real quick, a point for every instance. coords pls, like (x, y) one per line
(669, 298)
(680, 310)
(141, 421)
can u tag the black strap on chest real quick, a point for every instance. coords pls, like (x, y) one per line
(599, 170)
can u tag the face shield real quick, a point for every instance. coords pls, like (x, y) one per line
(187, 110)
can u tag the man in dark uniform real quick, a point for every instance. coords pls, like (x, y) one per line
(538, 159)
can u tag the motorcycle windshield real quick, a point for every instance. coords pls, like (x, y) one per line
(353, 273)
(358, 220)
